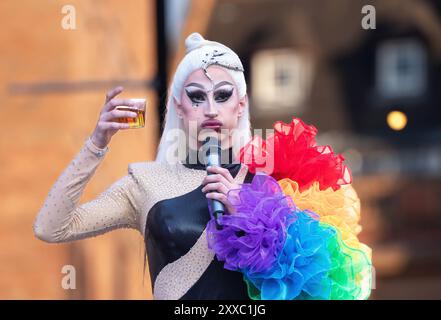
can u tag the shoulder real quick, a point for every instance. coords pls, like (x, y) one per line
(145, 171)
(142, 167)
(138, 169)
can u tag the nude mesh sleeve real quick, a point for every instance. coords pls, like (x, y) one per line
(62, 219)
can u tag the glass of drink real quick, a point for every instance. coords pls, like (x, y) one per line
(138, 106)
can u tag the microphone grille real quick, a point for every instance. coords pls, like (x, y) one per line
(211, 146)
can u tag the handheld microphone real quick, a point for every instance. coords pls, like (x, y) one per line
(212, 158)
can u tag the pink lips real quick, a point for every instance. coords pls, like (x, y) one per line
(211, 124)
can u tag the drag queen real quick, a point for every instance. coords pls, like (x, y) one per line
(291, 215)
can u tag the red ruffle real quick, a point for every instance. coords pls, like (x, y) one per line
(292, 152)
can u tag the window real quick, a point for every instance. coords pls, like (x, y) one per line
(281, 80)
(401, 69)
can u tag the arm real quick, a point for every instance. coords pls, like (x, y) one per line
(62, 219)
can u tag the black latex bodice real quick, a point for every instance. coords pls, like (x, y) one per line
(174, 225)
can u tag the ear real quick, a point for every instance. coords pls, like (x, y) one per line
(178, 107)
(242, 104)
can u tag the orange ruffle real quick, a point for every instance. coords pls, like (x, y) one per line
(340, 208)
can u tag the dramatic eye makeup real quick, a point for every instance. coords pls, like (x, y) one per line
(196, 96)
(222, 95)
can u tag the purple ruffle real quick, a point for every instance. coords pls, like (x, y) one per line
(253, 237)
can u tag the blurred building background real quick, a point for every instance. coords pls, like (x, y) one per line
(375, 97)
(53, 85)
(373, 94)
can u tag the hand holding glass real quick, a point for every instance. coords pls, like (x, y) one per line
(138, 106)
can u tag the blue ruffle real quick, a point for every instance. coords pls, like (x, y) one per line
(301, 270)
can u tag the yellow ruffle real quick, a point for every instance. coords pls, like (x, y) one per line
(340, 208)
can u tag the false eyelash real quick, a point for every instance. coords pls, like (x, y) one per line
(196, 96)
(224, 94)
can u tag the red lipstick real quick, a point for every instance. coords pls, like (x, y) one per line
(211, 124)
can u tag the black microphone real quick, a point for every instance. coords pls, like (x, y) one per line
(212, 159)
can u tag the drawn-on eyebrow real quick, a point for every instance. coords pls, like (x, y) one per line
(220, 84)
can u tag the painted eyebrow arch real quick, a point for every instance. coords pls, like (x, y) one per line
(220, 84)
